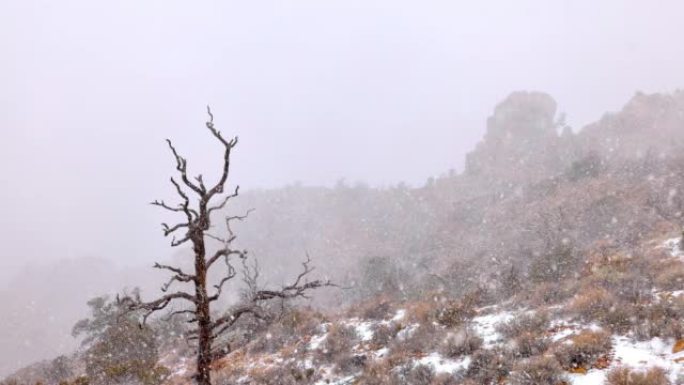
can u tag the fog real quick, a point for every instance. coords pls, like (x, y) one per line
(375, 91)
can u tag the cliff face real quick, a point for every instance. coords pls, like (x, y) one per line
(522, 143)
(648, 126)
(525, 144)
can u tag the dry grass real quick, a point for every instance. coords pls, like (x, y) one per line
(340, 339)
(424, 338)
(530, 344)
(671, 277)
(541, 370)
(383, 334)
(455, 313)
(592, 304)
(627, 376)
(462, 342)
(583, 350)
(488, 367)
(535, 322)
(376, 308)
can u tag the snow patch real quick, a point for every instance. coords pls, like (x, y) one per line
(485, 326)
(673, 245)
(444, 365)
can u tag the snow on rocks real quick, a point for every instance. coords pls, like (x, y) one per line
(674, 247)
(444, 365)
(486, 326)
(637, 355)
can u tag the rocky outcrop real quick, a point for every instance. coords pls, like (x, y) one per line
(522, 143)
(648, 126)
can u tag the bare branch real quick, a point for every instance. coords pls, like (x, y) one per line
(179, 312)
(219, 287)
(175, 270)
(182, 167)
(135, 303)
(218, 188)
(235, 218)
(177, 242)
(168, 230)
(225, 200)
(228, 320)
(162, 204)
(296, 289)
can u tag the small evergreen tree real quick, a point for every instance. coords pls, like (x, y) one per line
(117, 349)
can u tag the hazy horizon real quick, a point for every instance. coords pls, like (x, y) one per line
(378, 91)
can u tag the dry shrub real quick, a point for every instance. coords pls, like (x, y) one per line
(421, 311)
(377, 308)
(627, 376)
(529, 344)
(420, 375)
(537, 371)
(376, 373)
(531, 322)
(671, 278)
(424, 338)
(455, 313)
(583, 351)
(348, 363)
(628, 278)
(592, 304)
(288, 374)
(447, 379)
(550, 293)
(620, 318)
(383, 334)
(488, 366)
(661, 319)
(424, 311)
(287, 329)
(463, 342)
(339, 340)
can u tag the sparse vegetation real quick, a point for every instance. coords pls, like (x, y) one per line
(582, 350)
(537, 371)
(627, 376)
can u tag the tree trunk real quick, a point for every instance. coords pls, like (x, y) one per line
(202, 313)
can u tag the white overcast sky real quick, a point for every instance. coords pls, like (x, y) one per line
(377, 91)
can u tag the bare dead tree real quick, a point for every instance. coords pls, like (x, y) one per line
(195, 227)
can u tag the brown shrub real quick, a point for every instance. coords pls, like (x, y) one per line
(529, 344)
(287, 329)
(535, 323)
(377, 308)
(426, 337)
(463, 342)
(537, 371)
(301, 321)
(420, 375)
(288, 374)
(383, 334)
(550, 293)
(592, 304)
(348, 363)
(447, 379)
(671, 278)
(455, 313)
(661, 319)
(583, 350)
(376, 373)
(620, 318)
(421, 311)
(488, 366)
(339, 340)
(626, 376)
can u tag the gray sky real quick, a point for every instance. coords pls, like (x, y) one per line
(379, 91)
